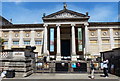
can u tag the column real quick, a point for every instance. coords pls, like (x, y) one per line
(0, 33)
(10, 40)
(45, 40)
(86, 39)
(73, 55)
(111, 38)
(21, 42)
(99, 40)
(32, 42)
(58, 43)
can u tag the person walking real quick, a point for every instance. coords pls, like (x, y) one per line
(3, 74)
(105, 67)
(92, 69)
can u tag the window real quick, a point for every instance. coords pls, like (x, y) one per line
(38, 34)
(38, 42)
(15, 42)
(16, 34)
(105, 41)
(5, 42)
(5, 35)
(93, 41)
(27, 34)
(26, 42)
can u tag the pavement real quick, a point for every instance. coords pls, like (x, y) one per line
(63, 76)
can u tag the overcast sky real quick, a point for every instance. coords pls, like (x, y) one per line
(32, 12)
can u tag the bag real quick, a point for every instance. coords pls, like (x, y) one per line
(92, 66)
(78, 64)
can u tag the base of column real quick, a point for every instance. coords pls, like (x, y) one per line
(74, 58)
(48, 58)
(58, 58)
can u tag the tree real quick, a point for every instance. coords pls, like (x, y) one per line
(1, 43)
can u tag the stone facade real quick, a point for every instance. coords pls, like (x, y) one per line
(97, 36)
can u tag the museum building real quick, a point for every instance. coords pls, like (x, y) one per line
(63, 35)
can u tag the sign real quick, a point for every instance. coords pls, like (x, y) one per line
(18, 54)
(73, 65)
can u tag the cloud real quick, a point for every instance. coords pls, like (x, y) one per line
(23, 15)
(98, 13)
(101, 13)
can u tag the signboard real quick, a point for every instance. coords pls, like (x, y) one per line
(18, 54)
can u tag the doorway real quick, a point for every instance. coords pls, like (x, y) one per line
(65, 47)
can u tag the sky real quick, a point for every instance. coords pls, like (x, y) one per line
(32, 12)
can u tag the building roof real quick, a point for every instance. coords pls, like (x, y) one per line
(103, 23)
(2, 19)
(24, 26)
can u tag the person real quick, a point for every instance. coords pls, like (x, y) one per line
(92, 69)
(3, 74)
(105, 68)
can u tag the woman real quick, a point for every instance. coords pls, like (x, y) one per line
(92, 68)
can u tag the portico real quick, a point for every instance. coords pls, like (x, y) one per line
(65, 41)
(64, 34)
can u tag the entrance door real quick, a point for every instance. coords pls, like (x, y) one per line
(65, 47)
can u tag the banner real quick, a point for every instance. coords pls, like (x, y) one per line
(79, 39)
(51, 39)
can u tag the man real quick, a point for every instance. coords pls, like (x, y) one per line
(105, 68)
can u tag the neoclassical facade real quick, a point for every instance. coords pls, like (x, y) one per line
(64, 35)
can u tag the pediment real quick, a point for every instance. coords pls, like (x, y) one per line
(65, 14)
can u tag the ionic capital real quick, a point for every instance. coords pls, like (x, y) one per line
(73, 25)
(45, 25)
(58, 25)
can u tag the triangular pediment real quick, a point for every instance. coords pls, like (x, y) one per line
(65, 13)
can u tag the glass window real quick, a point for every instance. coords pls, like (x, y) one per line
(15, 42)
(5, 42)
(38, 42)
(26, 42)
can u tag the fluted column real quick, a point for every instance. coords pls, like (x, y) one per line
(45, 39)
(21, 42)
(10, 40)
(58, 43)
(86, 38)
(111, 38)
(32, 42)
(73, 55)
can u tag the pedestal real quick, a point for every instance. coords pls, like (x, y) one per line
(74, 58)
(58, 58)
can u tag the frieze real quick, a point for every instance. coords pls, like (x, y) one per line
(65, 15)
